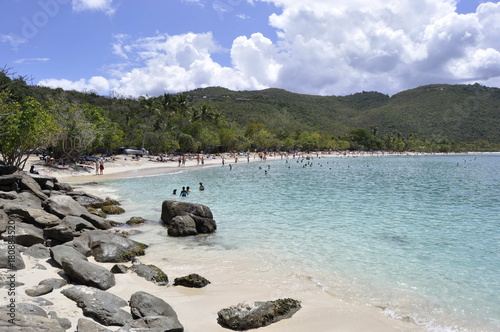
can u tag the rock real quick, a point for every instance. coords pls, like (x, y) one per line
(96, 212)
(252, 315)
(63, 205)
(31, 309)
(64, 322)
(153, 324)
(39, 266)
(84, 198)
(112, 209)
(24, 198)
(102, 306)
(28, 183)
(42, 302)
(143, 304)
(87, 273)
(28, 323)
(96, 221)
(25, 235)
(183, 218)
(58, 253)
(54, 282)
(77, 224)
(6, 261)
(60, 233)
(108, 247)
(151, 273)
(86, 325)
(62, 186)
(119, 269)
(135, 221)
(192, 280)
(35, 216)
(38, 290)
(38, 251)
(4, 221)
(182, 226)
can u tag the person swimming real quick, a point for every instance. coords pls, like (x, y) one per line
(201, 186)
(174, 192)
(184, 193)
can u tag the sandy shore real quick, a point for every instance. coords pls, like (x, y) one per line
(197, 308)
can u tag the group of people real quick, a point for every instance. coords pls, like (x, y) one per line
(186, 190)
(99, 167)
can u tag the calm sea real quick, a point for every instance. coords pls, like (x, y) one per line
(418, 236)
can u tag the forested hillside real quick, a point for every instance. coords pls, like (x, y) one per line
(70, 123)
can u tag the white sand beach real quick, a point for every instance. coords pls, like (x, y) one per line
(197, 308)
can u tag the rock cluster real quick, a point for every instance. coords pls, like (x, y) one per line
(47, 220)
(184, 219)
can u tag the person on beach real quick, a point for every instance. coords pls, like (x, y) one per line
(34, 171)
(201, 186)
(184, 193)
(101, 167)
(97, 166)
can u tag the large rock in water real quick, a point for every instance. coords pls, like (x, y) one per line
(183, 218)
(252, 315)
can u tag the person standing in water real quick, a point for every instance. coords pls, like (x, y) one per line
(201, 186)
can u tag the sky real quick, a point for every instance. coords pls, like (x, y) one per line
(136, 48)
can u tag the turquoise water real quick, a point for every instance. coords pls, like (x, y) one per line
(418, 236)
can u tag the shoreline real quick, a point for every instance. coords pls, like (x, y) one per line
(197, 309)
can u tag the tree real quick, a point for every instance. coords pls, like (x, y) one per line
(24, 128)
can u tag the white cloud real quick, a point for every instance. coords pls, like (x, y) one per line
(31, 60)
(355, 45)
(95, 5)
(13, 40)
(96, 84)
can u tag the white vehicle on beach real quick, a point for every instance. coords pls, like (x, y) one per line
(139, 153)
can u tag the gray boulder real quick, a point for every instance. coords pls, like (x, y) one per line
(59, 233)
(25, 198)
(96, 221)
(6, 261)
(77, 224)
(252, 315)
(193, 280)
(35, 216)
(109, 247)
(58, 253)
(30, 309)
(183, 218)
(38, 251)
(38, 290)
(25, 235)
(153, 324)
(89, 274)
(143, 304)
(4, 221)
(28, 323)
(54, 282)
(64, 322)
(151, 273)
(102, 306)
(84, 198)
(28, 183)
(63, 205)
(87, 325)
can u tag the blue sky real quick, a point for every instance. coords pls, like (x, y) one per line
(327, 47)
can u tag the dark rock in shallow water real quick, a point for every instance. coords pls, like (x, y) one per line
(102, 306)
(193, 280)
(87, 273)
(252, 315)
(183, 219)
(143, 304)
(135, 221)
(151, 273)
(112, 209)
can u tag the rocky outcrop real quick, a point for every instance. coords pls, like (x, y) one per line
(193, 280)
(6, 261)
(86, 273)
(151, 273)
(252, 315)
(58, 253)
(102, 306)
(32, 323)
(143, 304)
(184, 219)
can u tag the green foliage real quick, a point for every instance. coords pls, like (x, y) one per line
(24, 127)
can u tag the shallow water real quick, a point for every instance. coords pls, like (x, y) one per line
(418, 236)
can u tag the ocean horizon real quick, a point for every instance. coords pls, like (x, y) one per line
(416, 236)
